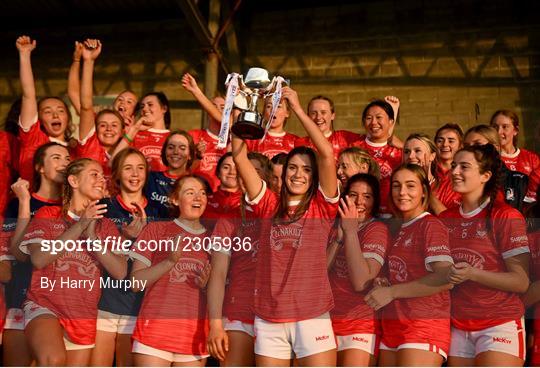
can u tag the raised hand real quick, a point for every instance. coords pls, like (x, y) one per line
(349, 215)
(91, 49)
(190, 84)
(92, 212)
(21, 189)
(77, 51)
(394, 102)
(291, 96)
(25, 44)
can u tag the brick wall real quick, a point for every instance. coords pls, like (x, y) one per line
(446, 60)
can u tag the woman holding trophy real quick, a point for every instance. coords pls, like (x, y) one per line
(292, 291)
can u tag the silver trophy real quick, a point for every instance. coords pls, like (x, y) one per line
(250, 123)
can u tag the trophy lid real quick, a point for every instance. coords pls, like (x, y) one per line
(257, 78)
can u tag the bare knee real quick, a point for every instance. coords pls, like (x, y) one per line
(51, 359)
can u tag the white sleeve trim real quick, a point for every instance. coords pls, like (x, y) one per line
(7, 257)
(528, 199)
(92, 131)
(374, 256)
(515, 252)
(432, 259)
(23, 247)
(332, 200)
(140, 257)
(259, 196)
(26, 130)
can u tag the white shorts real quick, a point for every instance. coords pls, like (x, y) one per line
(364, 342)
(506, 338)
(14, 319)
(417, 345)
(303, 338)
(110, 322)
(33, 310)
(236, 325)
(140, 348)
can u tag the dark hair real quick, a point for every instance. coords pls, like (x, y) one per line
(282, 213)
(264, 162)
(533, 214)
(38, 162)
(279, 159)
(421, 174)
(324, 98)
(164, 102)
(175, 211)
(70, 128)
(513, 118)
(488, 159)
(11, 123)
(118, 162)
(221, 160)
(191, 146)
(373, 183)
(453, 127)
(383, 105)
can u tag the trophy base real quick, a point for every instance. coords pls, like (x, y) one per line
(248, 126)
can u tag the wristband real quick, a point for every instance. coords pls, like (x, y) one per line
(127, 138)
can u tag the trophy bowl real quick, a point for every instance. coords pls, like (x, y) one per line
(250, 124)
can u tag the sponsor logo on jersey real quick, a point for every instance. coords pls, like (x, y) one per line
(360, 339)
(518, 239)
(184, 268)
(82, 263)
(322, 338)
(151, 151)
(398, 268)
(282, 235)
(470, 256)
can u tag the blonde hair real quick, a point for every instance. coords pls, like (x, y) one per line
(486, 131)
(73, 169)
(361, 157)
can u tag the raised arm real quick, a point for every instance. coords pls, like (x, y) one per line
(26, 45)
(73, 88)
(21, 188)
(149, 274)
(190, 84)
(90, 52)
(325, 160)
(245, 168)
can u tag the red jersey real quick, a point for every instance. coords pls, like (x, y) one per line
(475, 306)
(340, 140)
(444, 191)
(150, 143)
(534, 245)
(352, 315)
(74, 298)
(90, 147)
(173, 312)
(528, 163)
(291, 282)
(273, 144)
(211, 156)
(222, 203)
(389, 158)
(31, 140)
(420, 242)
(238, 300)
(6, 257)
(9, 163)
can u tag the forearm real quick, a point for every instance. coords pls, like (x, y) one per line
(42, 258)
(28, 104)
(532, 296)
(151, 274)
(114, 264)
(514, 282)
(215, 295)
(331, 252)
(428, 285)
(5, 271)
(207, 105)
(251, 179)
(73, 88)
(23, 219)
(359, 271)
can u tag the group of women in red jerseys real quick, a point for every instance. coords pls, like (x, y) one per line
(332, 249)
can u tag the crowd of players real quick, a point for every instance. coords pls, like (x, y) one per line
(336, 248)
